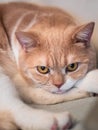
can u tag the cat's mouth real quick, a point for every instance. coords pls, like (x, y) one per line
(59, 91)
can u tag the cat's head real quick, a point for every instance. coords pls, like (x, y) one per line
(56, 58)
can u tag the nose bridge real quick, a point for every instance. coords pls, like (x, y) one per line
(58, 79)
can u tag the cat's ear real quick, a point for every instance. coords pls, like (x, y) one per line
(26, 40)
(83, 34)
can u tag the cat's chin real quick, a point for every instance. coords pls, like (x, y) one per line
(59, 92)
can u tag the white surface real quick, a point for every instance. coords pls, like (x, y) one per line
(84, 8)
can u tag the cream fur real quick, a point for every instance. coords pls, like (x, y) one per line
(24, 116)
(18, 84)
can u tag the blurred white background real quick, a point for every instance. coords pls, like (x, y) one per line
(88, 9)
(84, 10)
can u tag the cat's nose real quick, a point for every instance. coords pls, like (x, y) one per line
(58, 85)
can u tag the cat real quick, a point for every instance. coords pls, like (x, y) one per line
(44, 53)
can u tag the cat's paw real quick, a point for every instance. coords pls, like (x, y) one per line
(64, 121)
(61, 121)
(48, 121)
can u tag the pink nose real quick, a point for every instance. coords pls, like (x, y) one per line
(58, 85)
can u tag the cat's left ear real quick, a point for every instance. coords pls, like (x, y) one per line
(83, 34)
(26, 40)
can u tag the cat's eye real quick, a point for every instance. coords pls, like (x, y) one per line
(43, 69)
(72, 67)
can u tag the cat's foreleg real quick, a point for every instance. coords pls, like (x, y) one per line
(26, 117)
(40, 96)
(90, 82)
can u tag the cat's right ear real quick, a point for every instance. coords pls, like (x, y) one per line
(26, 40)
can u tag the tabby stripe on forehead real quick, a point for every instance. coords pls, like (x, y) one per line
(32, 22)
(15, 47)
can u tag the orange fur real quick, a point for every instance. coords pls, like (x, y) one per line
(52, 33)
(53, 30)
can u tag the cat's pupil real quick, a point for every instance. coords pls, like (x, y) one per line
(43, 67)
(72, 65)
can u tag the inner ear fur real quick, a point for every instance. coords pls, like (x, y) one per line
(84, 33)
(27, 40)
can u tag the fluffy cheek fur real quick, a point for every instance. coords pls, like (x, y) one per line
(80, 73)
(39, 79)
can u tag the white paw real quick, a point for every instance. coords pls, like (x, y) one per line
(64, 120)
(43, 120)
(57, 121)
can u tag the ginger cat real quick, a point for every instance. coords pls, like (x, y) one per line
(44, 53)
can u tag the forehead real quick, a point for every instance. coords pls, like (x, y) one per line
(56, 43)
(57, 58)
(56, 48)
(62, 52)
(64, 56)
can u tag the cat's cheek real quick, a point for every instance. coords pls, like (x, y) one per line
(80, 73)
(37, 78)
